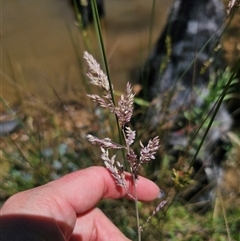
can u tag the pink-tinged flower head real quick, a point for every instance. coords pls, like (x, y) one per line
(116, 171)
(130, 136)
(95, 74)
(147, 152)
(124, 110)
(105, 143)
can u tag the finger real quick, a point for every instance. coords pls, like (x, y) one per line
(95, 226)
(74, 193)
(84, 188)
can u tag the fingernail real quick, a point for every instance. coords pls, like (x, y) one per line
(161, 193)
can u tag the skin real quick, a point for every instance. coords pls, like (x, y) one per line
(64, 209)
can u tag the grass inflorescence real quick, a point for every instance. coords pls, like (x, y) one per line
(53, 142)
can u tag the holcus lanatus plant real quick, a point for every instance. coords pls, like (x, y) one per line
(123, 111)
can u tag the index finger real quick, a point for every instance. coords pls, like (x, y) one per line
(83, 189)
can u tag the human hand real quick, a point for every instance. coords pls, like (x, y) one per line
(64, 209)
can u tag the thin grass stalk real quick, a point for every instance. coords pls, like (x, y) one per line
(7, 106)
(183, 74)
(224, 215)
(84, 34)
(215, 108)
(25, 91)
(200, 51)
(171, 94)
(151, 26)
(13, 114)
(103, 53)
(136, 208)
(26, 160)
(199, 128)
(76, 129)
(218, 104)
(80, 24)
(79, 20)
(19, 94)
(135, 197)
(101, 43)
(123, 111)
(191, 63)
(79, 58)
(226, 222)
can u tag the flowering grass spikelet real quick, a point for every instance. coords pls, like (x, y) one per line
(155, 211)
(147, 152)
(233, 5)
(105, 143)
(132, 158)
(95, 74)
(117, 172)
(124, 112)
(130, 136)
(100, 101)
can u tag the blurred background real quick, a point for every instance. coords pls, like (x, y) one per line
(39, 40)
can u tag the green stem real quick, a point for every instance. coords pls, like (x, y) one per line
(216, 108)
(136, 207)
(135, 198)
(103, 53)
